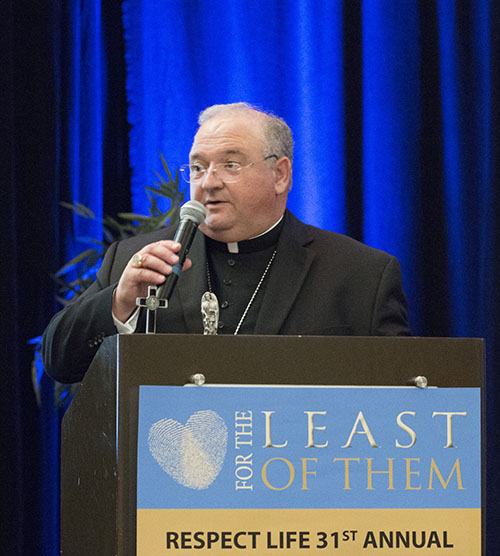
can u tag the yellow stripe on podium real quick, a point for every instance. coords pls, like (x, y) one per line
(306, 532)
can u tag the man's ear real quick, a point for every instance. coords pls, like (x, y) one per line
(283, 173)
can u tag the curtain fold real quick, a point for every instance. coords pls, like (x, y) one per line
(64, 110)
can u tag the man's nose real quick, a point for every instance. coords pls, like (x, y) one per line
(211, 178)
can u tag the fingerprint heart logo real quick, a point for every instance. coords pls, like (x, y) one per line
(192, 454)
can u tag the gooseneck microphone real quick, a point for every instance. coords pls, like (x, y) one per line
(192, 214)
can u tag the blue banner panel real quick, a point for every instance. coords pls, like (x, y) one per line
(314, 449)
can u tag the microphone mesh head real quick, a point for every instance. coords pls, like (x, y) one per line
(194, 211)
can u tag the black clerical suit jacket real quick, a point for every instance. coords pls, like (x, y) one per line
(320, 283)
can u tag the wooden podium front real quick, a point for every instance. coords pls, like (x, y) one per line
(100, 428)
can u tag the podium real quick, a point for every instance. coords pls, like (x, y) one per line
(99, 474)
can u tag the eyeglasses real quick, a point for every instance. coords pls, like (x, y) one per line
(229, 172)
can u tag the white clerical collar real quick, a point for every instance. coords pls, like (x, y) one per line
(233, 247)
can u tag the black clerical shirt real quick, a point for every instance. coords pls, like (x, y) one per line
(234, 277)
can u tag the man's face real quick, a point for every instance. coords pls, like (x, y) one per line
(241, 210)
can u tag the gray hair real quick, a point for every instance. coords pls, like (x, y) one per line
(277, 134)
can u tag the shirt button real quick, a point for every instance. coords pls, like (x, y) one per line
(224, 304)
(227, 281)
(220, 325)
(231, 262)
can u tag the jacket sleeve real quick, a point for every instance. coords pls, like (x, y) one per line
(390, 311)
(74, 335)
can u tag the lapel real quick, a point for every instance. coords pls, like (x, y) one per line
(289, 270)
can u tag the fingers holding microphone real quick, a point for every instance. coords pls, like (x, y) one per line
(155, 261)
(147, 267)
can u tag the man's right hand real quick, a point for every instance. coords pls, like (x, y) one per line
(157, 260)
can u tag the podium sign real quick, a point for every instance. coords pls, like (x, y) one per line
(152, 466)
(308, 470)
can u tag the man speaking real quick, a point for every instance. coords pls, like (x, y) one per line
(270, 273)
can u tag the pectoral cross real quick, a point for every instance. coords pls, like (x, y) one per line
(152, 302)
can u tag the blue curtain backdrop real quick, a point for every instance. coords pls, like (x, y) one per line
(394, 108)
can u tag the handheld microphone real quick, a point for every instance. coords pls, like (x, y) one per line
(192, 214)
